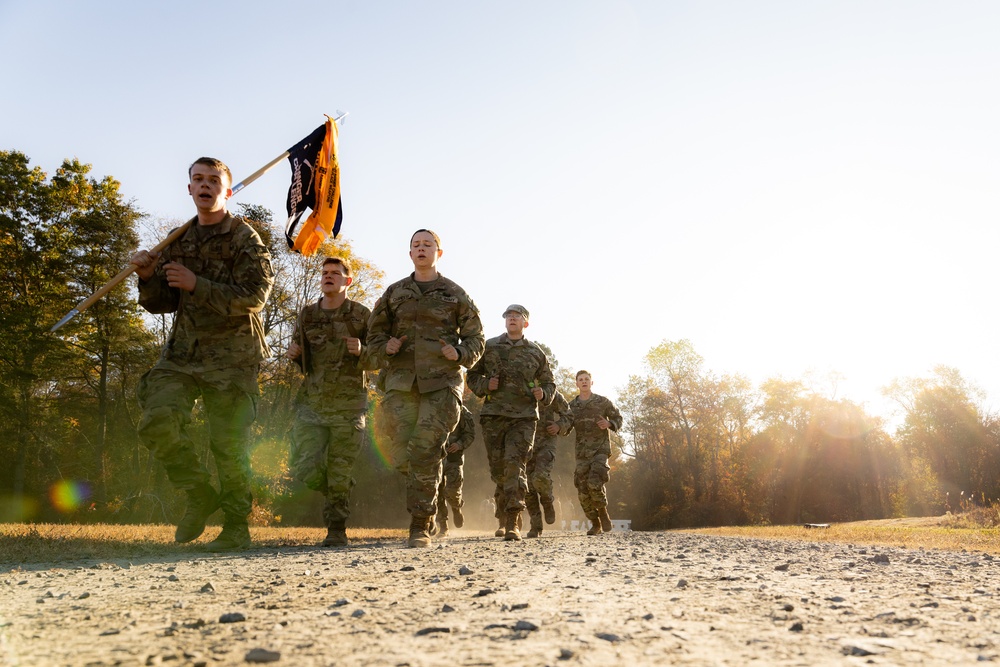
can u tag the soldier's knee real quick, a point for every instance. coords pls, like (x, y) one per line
(310, 470)
(159, 429)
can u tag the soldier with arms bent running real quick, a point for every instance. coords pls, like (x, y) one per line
(215, 279)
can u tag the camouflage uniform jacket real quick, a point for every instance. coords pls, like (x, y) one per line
(465, 432)
(443, 312)
(217, 325)
(521, 365)
(557, 412)
(334, 378)
(590, 438)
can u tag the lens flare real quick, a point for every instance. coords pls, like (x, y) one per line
(379, 443)
(68, 495)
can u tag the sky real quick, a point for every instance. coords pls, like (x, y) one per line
(800, 189)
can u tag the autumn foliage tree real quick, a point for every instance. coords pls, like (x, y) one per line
(710, 449)
(66, 397)
(949, 445)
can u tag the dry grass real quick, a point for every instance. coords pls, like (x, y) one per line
(22, 544)
(972, 531)
(53, 543)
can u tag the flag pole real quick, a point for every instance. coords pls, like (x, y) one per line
(173, 236)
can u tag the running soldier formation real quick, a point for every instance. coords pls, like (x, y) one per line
(421, 334)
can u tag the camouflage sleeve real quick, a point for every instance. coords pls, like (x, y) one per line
(563, 415)
(477, 378)
(465, 432)
(252, 280)
(613, 416)
(470, 333)
(548, 383)
(155, 295)
(570, 418)
(379, 332)
(363, 361)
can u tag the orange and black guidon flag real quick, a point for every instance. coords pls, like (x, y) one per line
(315, 185)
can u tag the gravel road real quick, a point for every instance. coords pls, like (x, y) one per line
(564, 599)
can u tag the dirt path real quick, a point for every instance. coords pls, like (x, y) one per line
(564, 599)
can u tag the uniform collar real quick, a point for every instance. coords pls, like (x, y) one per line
(510, 341)
(224, 226)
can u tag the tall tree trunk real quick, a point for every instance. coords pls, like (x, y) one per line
(100, 440)
(23, 437)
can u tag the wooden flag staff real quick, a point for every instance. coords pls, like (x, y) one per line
(173, 236)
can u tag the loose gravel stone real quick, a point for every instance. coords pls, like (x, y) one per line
(262, 655)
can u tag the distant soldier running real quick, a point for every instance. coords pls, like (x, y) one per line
(554, 419)
(450, 489)
(514, 378)
(593, 415)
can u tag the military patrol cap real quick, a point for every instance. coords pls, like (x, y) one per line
(516, 308)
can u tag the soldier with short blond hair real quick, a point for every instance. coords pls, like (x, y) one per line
(422, 331)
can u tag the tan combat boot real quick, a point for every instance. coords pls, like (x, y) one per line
(550, 512)
(336, 534)
(513, 528)
(201, 504)
(235, 536)
(606, 524)
(536, 526)
(420, 536)
(502, 528)
(595, 529)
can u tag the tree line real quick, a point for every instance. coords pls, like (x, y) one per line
(703, 449)
(696, 448)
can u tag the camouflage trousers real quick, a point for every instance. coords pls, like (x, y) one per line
(322, 457)
(417, 426)
(450, 489)
(539, 470)
(508, 446)
(167, 399)
(590, 476)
